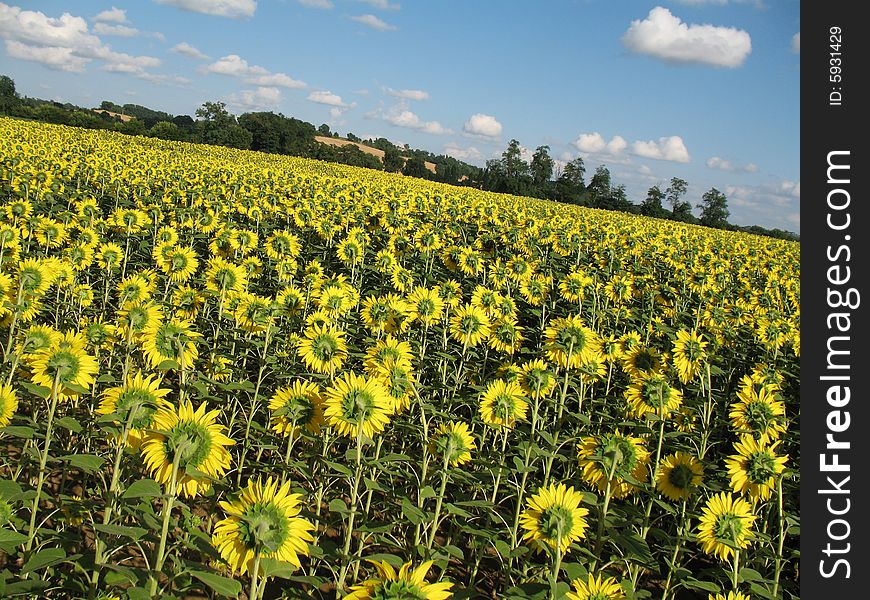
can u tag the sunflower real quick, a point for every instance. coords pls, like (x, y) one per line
(223, 276)
(755, 467)
(170, 341)
(290, 300)
(254, 313)
(726, 524)
(398, 379)
(388, 350)
(450, 292)
(264, 519)
(573, 286)
(322, 349)
(34, 277)
(110, 256)
(469, 325)
(641, 360)
(135, 403)
(8, 404)
(537, 379)
(66, 363)
(35, 339)
(610, 458)
(191, 439)
(187, 302)
(651, 393)
(554, 518)
(569, 343)
(357, 406)
(179, 264)
(505, 336)
(730, 596)
(296, 406)
(758, 411)
(596, 588)
(134, 289)
(689, 354)
(453, 442)
(426, 305)
(406, 584)
(679, 475)
(502, 404)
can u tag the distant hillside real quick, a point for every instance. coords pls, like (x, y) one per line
(367, 149)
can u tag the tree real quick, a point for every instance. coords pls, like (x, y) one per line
(393, 161)
(599, 189)
(652, 205)
(8, 96)
(166, 130)
(714, 209)
(570, 187)
(415, 167)
(542, 165)
(215, 114)
(217, 126)
(324, 130)
(676, 191)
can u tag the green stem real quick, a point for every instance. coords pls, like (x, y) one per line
(43, 460)
(168, 502)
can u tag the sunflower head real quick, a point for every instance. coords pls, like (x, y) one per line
(553, 518)
(453, 442)
(406, 584)
(679, 475)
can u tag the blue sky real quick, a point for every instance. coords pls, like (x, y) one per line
(705, 90)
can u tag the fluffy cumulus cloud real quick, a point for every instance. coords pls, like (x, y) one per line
(65, 43)
(326, 97)
(113, 15)
(715, 162)
(469, 154)
(263, 97)
(666, 148)
(409, 94)
(186, 49)
(324, 4)
(401, 116)
(664, 36)
(236, 66)
(594, 143)
(796, 43)
(373, 22)
(483, 125)
(233, 9)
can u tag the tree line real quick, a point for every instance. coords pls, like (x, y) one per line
(540, 177)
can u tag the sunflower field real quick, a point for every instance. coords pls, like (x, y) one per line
(234, 374)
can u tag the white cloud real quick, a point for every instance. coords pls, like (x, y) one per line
(118, 30)
(400, 116)
(260, 98)
(409, 94)
(463, 154)
(63, 43)
(234, 9)
(669, 148)
(662, 35)
(236, 66)
(326, 97)
(796, 43)
(324, 4)
(771, 204)
(373, 22)
(715, 162)
(113, 15)
(186, 49)
(53, 57)
(382, 4)
(594, 143)
(484, 125)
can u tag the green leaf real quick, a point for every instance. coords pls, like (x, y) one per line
(747, 575)
(337, 505)
(69, 423)
(86, 462)
(122, 530)
(138, 593)
(10, 539)
(276, 568)
(339, 468)
(9, 489)
(18, 431)
(412, 513)
(635, 548)
(36, 390)
(219, 584)
(42, 559)
(503, 548)
(144, 488)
